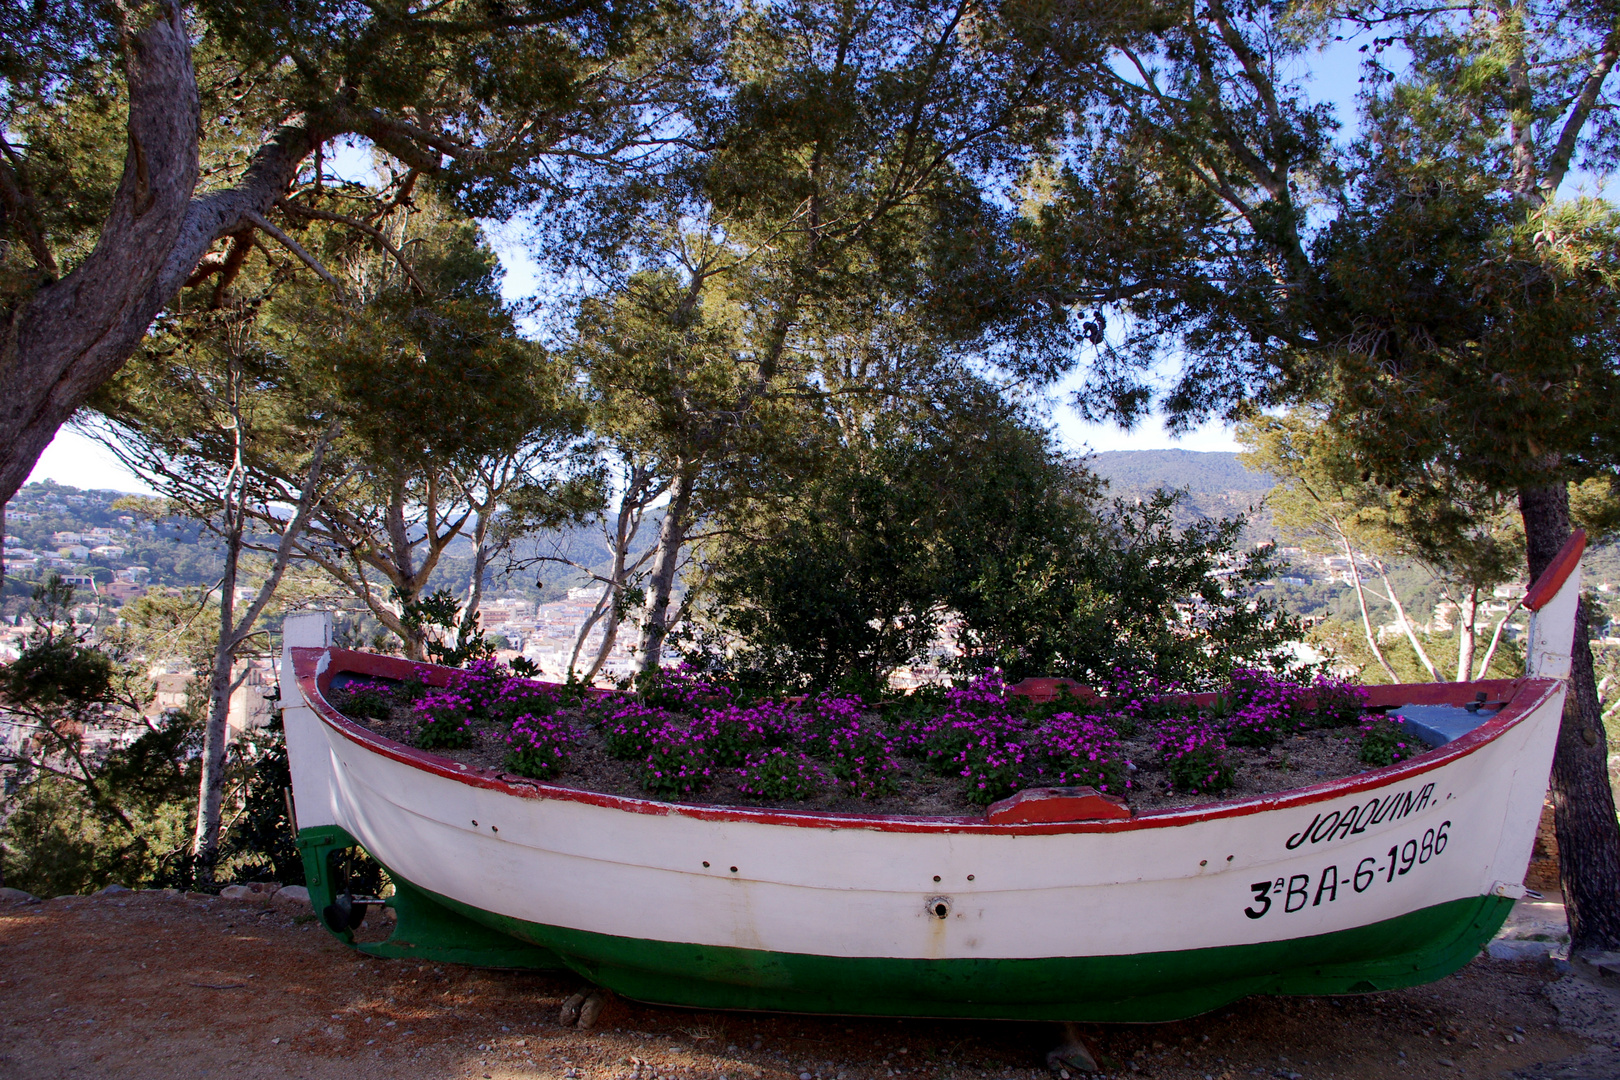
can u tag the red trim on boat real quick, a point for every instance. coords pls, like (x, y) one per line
(1520, 698)
(1552, 579)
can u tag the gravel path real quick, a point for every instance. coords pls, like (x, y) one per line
(146, 985)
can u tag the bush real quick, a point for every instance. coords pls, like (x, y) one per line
(364, 698)
(1194, 756)
(260, 844)
(629, 731)
(1079, 749)
(55, 841)
(996, 765)
(1385, 742)
(861, 756)
(682, 689)
(516, 698)
(135, 829)
(733, 733)
(1337, 704)
(540, 747)
(778, 773)
(676, 766)
(446, 720)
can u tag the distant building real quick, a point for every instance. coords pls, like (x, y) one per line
(73, 551)
(65, 537)
(108, 551)
(172, 691)
(122, 591)
(251, 701)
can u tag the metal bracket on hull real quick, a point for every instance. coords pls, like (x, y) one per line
(425, 929)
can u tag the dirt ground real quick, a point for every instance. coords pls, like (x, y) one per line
(147, 985)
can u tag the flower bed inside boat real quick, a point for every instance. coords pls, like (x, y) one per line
(937, 751)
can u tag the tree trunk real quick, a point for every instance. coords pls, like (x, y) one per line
(1583, 803)
(1467, 613)
(631, 505)
(211, 787)
(671, 537)
(475, 583)
(1406, 624)
(74, 334)
(1366, 620)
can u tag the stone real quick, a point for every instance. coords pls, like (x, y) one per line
(1512, 949)
(569, 1015)
(237, 892)
(110, 890)
(590, 1010)
(291, 898)
(17, 896)
(1603, 966)
(1074, 1055)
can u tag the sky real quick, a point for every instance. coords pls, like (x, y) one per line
(76, 459)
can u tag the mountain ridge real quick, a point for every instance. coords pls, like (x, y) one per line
(1199, 471)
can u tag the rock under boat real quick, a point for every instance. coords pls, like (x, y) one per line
(1042, 910)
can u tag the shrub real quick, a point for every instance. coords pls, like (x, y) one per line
(1262, 708)
(1384, 741)
(540, 747)
(445, 718)
(1077, 749)
(947, 743)
(996, 765)
(1065, 700)
(676, 765)
(1258, 725)
(682, 689)
(778, 773)
(366, 698)
(861, 756)
(515, 698)
(923, 702)
(629, 731)
(1194, 756)
(1337, 704)
(826, 713)
(732, 733)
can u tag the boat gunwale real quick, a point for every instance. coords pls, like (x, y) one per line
(314, 668)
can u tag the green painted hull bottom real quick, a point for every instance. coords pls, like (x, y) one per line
(424, 928)
(1415, 948)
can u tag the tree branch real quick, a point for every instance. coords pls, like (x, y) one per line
(1564, 150)
(354, 223)
(293, 246)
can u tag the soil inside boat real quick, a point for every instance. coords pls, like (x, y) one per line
(1298, 758)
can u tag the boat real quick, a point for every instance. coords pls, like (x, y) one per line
(1055, 905)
